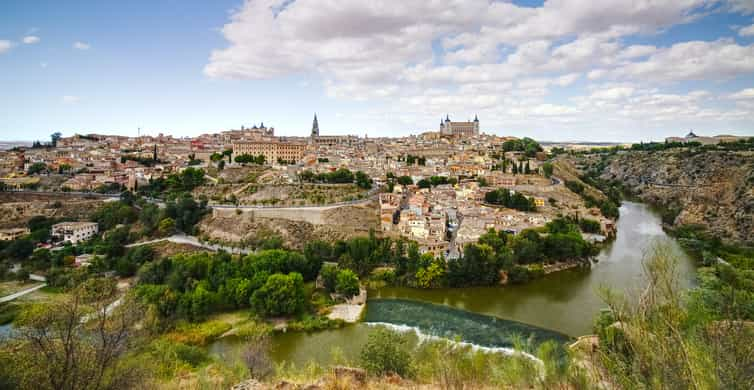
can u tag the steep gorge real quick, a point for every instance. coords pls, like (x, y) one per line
(714, 189)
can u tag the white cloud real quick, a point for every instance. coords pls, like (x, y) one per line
(746, 31)
(81, 45)
(501, 60)
(744, 94)
(695, 60)
(5, 45)
(70, 99)
(31, 39)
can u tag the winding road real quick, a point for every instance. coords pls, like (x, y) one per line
(19, 294)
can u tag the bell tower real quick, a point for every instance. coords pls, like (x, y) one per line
(315, 127)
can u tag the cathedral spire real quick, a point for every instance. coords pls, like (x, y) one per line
(315, 126)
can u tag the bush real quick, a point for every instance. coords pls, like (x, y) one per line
(347, 283)
(589, 226)
(387, 352)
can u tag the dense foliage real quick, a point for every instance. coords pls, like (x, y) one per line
(504, 197)
(527, 145)
(339, 176)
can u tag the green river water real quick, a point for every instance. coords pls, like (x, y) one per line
(557, 306)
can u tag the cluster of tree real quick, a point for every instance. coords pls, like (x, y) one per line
(504, 197)
(174, 184)
(220, 157)
(37, 168)
(249, 159)
(435, 181)
(146, 161)
(339, 176)
(520, 257)
(411, 159)
(527, 145)
(338, 280)
(271, 282)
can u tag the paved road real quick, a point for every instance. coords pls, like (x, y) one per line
(19, 294)
(191, 240)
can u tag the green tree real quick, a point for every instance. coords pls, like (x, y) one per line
(54, 138)
(363, 181)
(347, 283)
(405, 180)
(36, 168)
(547, 169)
(424, 183)
(280, 295)
(387, 352)
(477, 266)
(433, 275)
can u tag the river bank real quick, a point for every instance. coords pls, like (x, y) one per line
(565, 302)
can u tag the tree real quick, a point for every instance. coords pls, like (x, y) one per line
(54, 138)
(433, 275)
(405, 180)
(387, 352)
(166, 227)
(36, 168)
(229, 154)
(59, 350)
(280, 295)
(424, 183)
(19, 249)
(329, 275)
(186, 212)
(547, 169)
(477, 267)
(362, 180)
(347, 283)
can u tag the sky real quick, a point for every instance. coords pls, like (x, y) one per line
(555, 70)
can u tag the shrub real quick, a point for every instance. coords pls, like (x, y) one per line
(387, 352)
(347, 283)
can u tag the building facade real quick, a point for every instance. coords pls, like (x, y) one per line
(74, 232)
(459, 129)
(13, 234)
(271, 150)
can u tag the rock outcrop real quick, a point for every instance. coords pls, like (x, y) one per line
(710, 188)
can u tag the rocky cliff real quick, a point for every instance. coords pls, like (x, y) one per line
(710, 188)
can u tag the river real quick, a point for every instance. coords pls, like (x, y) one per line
(559, 305)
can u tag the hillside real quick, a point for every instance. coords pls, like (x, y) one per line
(711, 188)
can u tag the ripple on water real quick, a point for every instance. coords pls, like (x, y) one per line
(451, 323)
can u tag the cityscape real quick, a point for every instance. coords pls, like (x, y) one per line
(582, 217)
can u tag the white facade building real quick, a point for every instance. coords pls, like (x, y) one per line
(74, 232)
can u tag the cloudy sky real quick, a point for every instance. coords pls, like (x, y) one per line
(608, 70)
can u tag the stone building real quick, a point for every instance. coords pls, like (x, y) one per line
(272, 150)
(459, 129)
(74, 232)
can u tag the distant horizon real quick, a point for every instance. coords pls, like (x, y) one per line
(541, 141)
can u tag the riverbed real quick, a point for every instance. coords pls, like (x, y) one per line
(558, 305)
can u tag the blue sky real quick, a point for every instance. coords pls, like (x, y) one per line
(562, 70)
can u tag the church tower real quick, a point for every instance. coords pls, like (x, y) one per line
(315, 127)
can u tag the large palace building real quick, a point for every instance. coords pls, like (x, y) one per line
(461, 129)
(272, 150)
